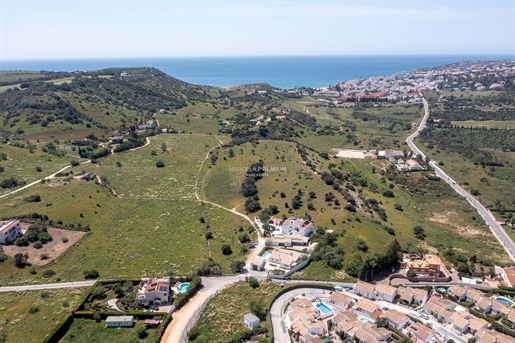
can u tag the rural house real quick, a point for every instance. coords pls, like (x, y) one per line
(9, 231)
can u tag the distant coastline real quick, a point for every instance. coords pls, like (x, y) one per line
(282, 71)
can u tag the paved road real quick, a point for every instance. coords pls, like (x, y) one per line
(48, 286)
(497, 230)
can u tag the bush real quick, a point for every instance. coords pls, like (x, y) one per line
(74, 163)
(244, 238)
(209, 235)
(253, 282)
(91, 274)
(48, 273)
(419, 232)
(33, 198)
(226, 249)
(160, 164)
(33, 309)
(43, 256)
(361, 245)
(37, 245)
(237, 266)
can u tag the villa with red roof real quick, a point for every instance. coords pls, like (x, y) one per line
(298, 226)
(154, 290)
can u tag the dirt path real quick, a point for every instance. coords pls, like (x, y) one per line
(147, 143)
(182, 317)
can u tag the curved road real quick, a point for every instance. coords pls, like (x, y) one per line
(490, 220)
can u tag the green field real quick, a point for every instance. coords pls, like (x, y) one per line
(151, 227)
(223, 315)
(88, 331)
(18, 325)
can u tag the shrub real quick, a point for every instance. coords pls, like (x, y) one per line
(91, 274)
(253, 282)
(33, 309)
(361, 245)
(244, 238)
(226, 249)
(237, 266)
(160, 164)
(37, 245)
(43, 256)
(209, 235)
(74, 163)
(65, 239)
(419, 232)
(48, 273)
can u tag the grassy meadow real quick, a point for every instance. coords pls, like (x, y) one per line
(19, 325)
(88, 330)
(151, 227)
(223, 314)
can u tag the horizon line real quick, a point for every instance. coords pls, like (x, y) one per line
(507, 55)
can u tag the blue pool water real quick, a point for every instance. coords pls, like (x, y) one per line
(266, 254)
(324, 308)
(441, 290)
(364, 320)
(183, 287)
(504, 300)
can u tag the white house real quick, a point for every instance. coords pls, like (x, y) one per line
(9, 231)
(119, 321)
(422, 332)
(364, 289)
(397, 319)
(251, 321)
(286, 259)
(154, 290)
(385, 292)
(297, 226)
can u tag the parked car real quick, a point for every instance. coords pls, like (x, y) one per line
(424, 316)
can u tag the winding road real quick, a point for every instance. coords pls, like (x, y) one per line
(490, 220)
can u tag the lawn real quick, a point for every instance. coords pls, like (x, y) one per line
(18, 325)
(223, 314)
(151, 227)
(90, 331)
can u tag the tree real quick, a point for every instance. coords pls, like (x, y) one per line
(142, 332)
(163, 147)
(381, 322)
(252, 205)
(253, 282)
(209, 235)
(361, 245)
(237, 266)
(226, 249)
(296, 202)
(411, 274)
(312, 195)
(160, 164)
(244, 238)
(74, 163)
(20, 260)
(419, 232)
(258, 308)
(91, 274)
(231, 152)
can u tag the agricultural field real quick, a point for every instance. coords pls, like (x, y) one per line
(28, 316)
(89, 330)
(223, 314)
(151, 226)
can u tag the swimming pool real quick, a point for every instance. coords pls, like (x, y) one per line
(266, 254)
(364, 320)
(504, 300)
(324, 308)
(441, 290)
(183, 287)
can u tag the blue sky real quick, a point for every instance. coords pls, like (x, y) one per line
(110, 29)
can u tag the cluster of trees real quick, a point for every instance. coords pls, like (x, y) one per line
(133, 141)
(11, 183)
(36, 234)
(328, 250)
(249, 188)
(365, 267)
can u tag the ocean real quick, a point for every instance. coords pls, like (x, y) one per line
(282, 72)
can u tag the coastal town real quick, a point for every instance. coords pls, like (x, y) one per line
(403, 88)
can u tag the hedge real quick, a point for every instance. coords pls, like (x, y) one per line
(498, 327)
(105, 314)
(182, 298)
(59, 330)
(85, 297)
(162, 327)
(291, 288)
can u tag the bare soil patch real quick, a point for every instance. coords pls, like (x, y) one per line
(447, 218)
(53, 249)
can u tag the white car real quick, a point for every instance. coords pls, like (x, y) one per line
(424, 316)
